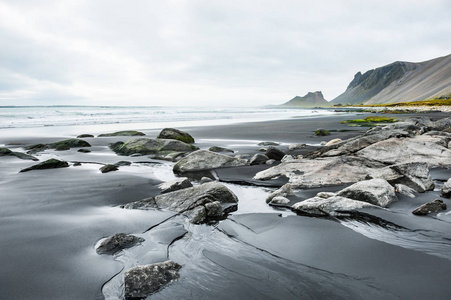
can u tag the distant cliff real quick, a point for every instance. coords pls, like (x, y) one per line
(400, 82)
(315, 99)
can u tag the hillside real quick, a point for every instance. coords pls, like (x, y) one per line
(315, 99)
(400, 82)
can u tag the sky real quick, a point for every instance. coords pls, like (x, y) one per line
(206, 53)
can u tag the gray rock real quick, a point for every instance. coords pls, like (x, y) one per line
(317, 206)
(191, 202)
(283, 191)
(202, 160)
(322, 132)
(270, 161)
(118, 242)
(48, 164)
(83, 150)
(446, 190)
(123, 163)
(142, 281)
(220, 149)
(325, 195)
(175, 185)
(308, 173)
(268, 144)
(258, 159)
(214, 209)
(279, 200)
(293, 147)
(7, 152)
(85, 135)
(205, 180)
(414, 175)
(333, 142)
(287, 158)
(70, 143)
(147, 146)
(375, 191)
(405, 190)
(175, 134)
(122, 133)
(274, 153)
(431, 207)
(108, 168)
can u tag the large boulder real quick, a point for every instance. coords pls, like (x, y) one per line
(142, 281)
(435, 206)
(423, 148)
(308, 173)
(123, 133)
(48, 164)
(195, 202)
(175, 185)
(146, 146)
(318, 206)
(202, 160)
(446, 190)
(414, 175)
(118, 242)
(175, 134)
(375, 191)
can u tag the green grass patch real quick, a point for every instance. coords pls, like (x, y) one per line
(368, 121)
(441, 101)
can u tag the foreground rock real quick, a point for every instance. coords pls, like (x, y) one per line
(307, 173)
(414, 175)
(142, 281)
(146, 146)
(375, 191)
(446, 190)
(175, 185)
(199, 203)
(117, 243)
(202, 160)
(123, 133)
(431, 207)
(175, 134)
(318, 206)
(48, 164)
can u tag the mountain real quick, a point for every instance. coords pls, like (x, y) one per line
(400, 82)
(315, 99)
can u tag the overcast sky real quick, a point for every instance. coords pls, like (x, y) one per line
(206, 53)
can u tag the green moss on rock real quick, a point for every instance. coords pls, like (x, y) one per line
(48, 164)
(175, 134)
(123, 133)
(322, 132)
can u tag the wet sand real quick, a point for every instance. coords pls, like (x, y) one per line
(51, 220)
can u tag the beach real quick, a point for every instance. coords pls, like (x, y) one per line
(52, 221)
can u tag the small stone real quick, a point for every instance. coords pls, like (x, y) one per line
(81, 136)
(258, 159)
(117, 243)
(220, 149)
(322, 132)
(435, 206)
(332, 142)
(82, 150)
(284, 191)
(274, 153)
(288, 158)
(279, 200)
(108, 168)
(77, 164)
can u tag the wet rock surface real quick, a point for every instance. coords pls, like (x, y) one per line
(147, 146)
(123, 133)
(175, 185)
(48, 164)
(108, 168)
(202, 160)
(318, 206)
(375, 191)
(118, 242)
(176, 134)
(431, 207)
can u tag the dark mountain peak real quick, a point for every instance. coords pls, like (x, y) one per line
(311, 99)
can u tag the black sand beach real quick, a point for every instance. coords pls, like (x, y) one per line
(51, 221)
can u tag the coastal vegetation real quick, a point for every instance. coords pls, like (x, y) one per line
(369, 121)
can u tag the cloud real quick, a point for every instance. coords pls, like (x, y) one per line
(204, 52)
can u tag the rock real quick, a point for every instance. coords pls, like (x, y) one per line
(333, 142)
(62, 148)
(274, 153)
(202, 160)
(191, 202)
(323, 143)
(375, 191)
(5, 152)
(330, 171)
(117, 243)
(258, 159)
(283, 191)
(146, 146)
(431, 207)
(421, 148)
(268, 144)
(262, 149)
(171, 156)
(214, 209)
(175, 134)
(48, 164)
(287, 158)
(123, 133)
(77, 164)
(205, 180)
(446, 190)
(142, 281)
(83, 150)
(270, 161)
(317, 206)
(175, 185)
(322, 132)
(414, 175)
(220, 149)
(82, 136)
(325, 195)
(70, 143)
(123, 163)
(405, 190)
(36, 148)
(293, 147)
(108, 168)
(279, 200)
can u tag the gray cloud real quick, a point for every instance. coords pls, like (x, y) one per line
(204, 52)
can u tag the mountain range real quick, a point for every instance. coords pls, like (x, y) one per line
(397, 82)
